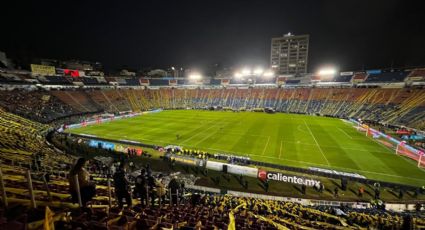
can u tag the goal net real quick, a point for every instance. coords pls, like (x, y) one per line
(401, 148)
(362, 128)
(405, 150)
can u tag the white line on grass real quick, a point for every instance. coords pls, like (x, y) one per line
(208, 136)
(345, 133)
(316, 142)
(298, 127)
(202, 131)
(265, 147)
(280, 150)
(333, 146)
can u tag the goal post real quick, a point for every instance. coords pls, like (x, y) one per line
(363, 128)
(401, 148)
(417, 155)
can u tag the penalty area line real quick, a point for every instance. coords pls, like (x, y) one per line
(280, 150)
(265, 147)
(345, 133)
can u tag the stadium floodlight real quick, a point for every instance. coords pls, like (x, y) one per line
(268, 73)
(326, 72)
(238, 75)
(195, 76)
(172, 67)
(258, 71)
(246, 71)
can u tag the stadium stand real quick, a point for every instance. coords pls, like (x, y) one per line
(132, 81)
(158, 82)
(36, 105)
(387, 77)
(216, 82)
(359, 77)
(294, 82)
(343, 78)
(10, 78)
(89, 81)
(55, 80)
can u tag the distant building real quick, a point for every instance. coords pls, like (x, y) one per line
(289, 54)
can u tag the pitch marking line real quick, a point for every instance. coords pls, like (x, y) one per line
(265, 147)
(317, 143)
(212, 133)
(280, 150)
(150, 131)
(330, 146)
(345, 133)
(298, 128)
(202, 131)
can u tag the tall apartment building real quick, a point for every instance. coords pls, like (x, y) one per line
(289, 54)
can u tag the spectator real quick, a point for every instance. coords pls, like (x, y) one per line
(174, 187)
(122, 186)
(87, 188)
(151, 187)
(336, 191)
(141, 187)
(377, 193)
(160, 188)
(321, 188)
(361, 191)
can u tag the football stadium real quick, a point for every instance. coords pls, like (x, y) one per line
(220, 121)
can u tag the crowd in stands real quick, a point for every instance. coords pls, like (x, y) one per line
(35, 105)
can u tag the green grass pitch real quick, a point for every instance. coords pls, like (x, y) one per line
(287, 139)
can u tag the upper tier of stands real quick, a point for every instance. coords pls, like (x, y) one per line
(343, 78)
(365, 77)
(387, 77)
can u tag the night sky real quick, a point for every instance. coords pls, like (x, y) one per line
(352, 35)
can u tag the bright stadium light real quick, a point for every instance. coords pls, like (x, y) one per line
(238, 75)
(258, 71)
(268, 73)
(246, 71)
(326, 71)
(195, 76)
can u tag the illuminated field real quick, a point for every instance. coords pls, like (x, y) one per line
(287, 139)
